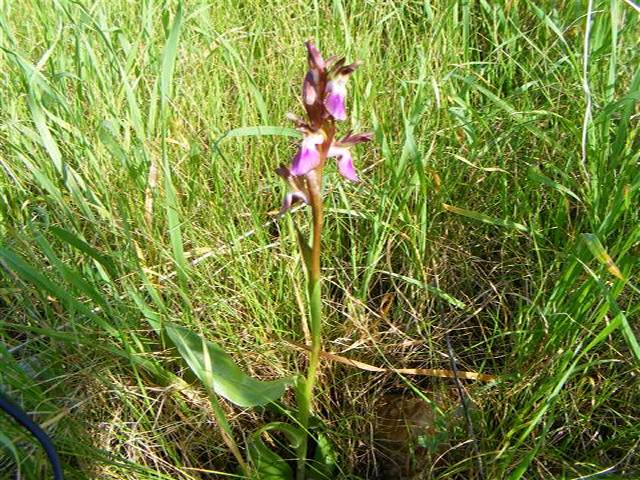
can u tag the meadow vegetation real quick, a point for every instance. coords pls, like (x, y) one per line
(496, 222)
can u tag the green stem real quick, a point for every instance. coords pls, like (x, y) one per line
(305, 392)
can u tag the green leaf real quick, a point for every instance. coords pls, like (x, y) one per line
(598, 251)
(325, 459)
(32, 275)
(429, 288)
(620, 318)
(9, 446)
(163, 89)
(74, 182)
(536, 175)
(485, 218)
(172, 205)
(85, 248)
(110, 141)
(268, 464)
(216, 369)
(169, 54)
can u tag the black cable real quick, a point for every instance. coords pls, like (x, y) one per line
(465, 407)
(21, 417)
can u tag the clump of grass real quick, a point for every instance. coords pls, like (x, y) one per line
(477, 106)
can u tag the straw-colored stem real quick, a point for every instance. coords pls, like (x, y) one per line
(305, 393)
(227, 434)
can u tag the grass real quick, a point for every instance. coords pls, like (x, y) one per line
(499, 197)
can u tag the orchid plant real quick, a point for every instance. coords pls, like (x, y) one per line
(324, 96)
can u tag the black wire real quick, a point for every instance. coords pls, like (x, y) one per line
(21, 417)
(465, 407)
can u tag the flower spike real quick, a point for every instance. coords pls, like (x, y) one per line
(324, 94)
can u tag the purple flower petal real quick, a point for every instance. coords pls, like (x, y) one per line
(335, 101)
(346, 169)
(335, 105)
(304, 161)
(345, 163)
(315, 59)
(308, 156)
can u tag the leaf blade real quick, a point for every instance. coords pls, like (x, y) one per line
(220, 373)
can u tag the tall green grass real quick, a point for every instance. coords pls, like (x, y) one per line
(499, 197)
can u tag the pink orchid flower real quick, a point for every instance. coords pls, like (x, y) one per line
(324, 94)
